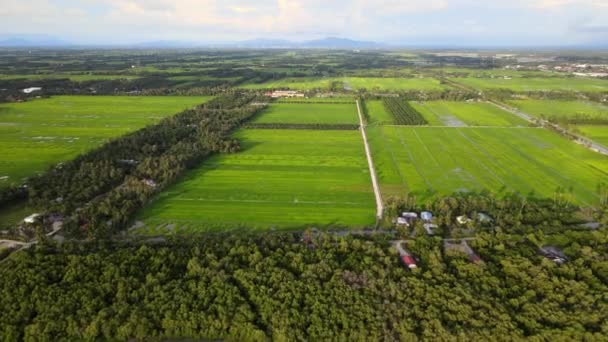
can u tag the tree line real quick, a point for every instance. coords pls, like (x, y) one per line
(402, 112)
(98, 191)
(273, 286)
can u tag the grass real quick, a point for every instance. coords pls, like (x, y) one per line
(377, 114)
(451, 113)
(433, 161)
(309, 113)
(37, 134)
(75, 78)
(564, 110)
(354, 83)
(561, 109)
(282, 178)
(316, 100)
(598, 133)
(536, 84)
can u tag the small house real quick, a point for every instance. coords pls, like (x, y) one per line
(31, 219)
(409, 217)
(484, 218)
(409, 261)
(30, 90)
(426, 216)
(150, 183)
(402, 222)
(463, 219)
(431, 228)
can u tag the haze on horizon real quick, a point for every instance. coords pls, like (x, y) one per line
(406, 22)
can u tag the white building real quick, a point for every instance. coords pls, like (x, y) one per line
(30, 90)
(32, 218)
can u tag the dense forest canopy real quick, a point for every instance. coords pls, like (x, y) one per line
(273, 286)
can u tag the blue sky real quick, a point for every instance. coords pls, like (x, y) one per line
(412, 22)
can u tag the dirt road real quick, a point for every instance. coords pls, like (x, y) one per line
(372, 170)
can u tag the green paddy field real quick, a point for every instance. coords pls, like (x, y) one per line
(435, 161)
(37, 134)
(281, 179)
(536, 84)
(353, 83)
(309, 113)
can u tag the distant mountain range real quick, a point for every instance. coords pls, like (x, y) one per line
(326, 43)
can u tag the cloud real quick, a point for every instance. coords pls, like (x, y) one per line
(216, 20)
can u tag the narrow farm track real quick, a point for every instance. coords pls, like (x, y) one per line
(372, 170)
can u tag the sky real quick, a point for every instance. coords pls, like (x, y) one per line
(403, 22)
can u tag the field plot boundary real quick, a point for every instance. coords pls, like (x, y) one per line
(485, 160)
(370, 162)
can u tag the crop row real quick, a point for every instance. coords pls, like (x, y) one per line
(403, 113)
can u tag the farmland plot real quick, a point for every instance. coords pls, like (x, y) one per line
(562, 110)
(40, 133)
(309, 113)
(458, 114)
(282, 178)
(536, 84)
(434, 161)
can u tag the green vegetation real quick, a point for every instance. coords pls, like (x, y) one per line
(377, 113)
(72, 77)
(572, 112)
(309, 113)
(350, 83)
(431, 162)
(536, 84)
(40, 133)
(452, 113)
(403, 113)
(239, 287)
(282, 178)
(598, 133)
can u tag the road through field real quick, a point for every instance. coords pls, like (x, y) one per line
(372, 171)
(579, 139)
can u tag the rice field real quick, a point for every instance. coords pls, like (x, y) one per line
(281, 179)
(433, 161)
(377, 114)
(72, 77)
(547, 109)
(349, 83)
(597, 133)
(536, 84)
(37, 134)
(452, 113)
(309, 113)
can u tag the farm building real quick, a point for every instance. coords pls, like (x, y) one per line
(402, 221)
(553, 253)
(463, 219)
(30, 90)
(409, 261)
(408, 218)
(31, 219)
(426, 216)
(404, 255)
(284, 93)
(484, 218)
(431, 228)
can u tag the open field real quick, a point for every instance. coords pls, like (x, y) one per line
(547, 109)
(535, 84)
(378, 115)
(354, 83)
(309, 113)
(434, 161)
(40, 133)
(316, 100)
(282, 178)
(451, 113)
(598, 133)
(73, 77)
